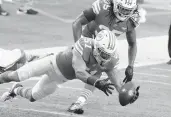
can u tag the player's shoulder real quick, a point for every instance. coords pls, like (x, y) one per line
(85, 41)
(139, 16)
(101, 5)
(84, 44)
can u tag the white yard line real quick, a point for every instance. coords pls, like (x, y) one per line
(161, 69)
(44, 111)
(154, 75)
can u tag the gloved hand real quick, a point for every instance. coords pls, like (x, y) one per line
(128, 74)
(104, 86)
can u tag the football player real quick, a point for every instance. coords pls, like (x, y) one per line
(86, 61)
(118, 16)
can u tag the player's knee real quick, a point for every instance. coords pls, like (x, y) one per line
(50, 88)
(41, 92)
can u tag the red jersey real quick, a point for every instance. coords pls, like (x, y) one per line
(84, 46)
(105, 19)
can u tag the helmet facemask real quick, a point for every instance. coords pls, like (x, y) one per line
(104, 46)
(124, 11)
(101, 56)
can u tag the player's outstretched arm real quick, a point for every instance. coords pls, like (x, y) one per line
(84, 18)
(81, 73)
(132, 51)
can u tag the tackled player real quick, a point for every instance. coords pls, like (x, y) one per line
(86, 61)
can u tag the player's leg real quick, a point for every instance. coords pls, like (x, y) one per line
(88, 90)
(43, 88)
(31, 69)
(2, 11)
(76, 107)
(169, 44)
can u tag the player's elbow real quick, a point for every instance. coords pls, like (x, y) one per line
(76, 22)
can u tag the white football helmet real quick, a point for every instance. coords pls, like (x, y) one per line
(123, 9)
(105, 45)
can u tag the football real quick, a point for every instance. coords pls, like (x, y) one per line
(126, 93)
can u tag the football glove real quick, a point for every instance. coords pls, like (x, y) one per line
(128, 74)
(104, 86)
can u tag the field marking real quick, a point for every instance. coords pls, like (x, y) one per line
(161, 69)
(43, 111)
(153, 82)
(147, 74)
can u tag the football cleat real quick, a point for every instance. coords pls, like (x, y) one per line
(32, 12)
(4, 13)
(28, 11)
(76, 108)
(10, 94)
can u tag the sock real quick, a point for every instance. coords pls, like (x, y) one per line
(24, 92)
(84, 96)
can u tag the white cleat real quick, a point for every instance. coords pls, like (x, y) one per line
(76, 108)
(10, 94)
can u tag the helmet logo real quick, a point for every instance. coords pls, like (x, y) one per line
(100, 37)
(128, 2)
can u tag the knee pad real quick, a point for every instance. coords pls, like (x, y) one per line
(41, 92)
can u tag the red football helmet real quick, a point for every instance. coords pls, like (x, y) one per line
(128, 93)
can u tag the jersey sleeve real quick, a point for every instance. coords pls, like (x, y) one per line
(100, 5)
(79, 46)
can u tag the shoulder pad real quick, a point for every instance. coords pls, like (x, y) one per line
(100, 5)
(82, 44)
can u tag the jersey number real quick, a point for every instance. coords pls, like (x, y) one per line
(87, 43)
(106, 6)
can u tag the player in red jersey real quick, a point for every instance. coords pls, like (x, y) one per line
(86, 61)
(118, 16)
